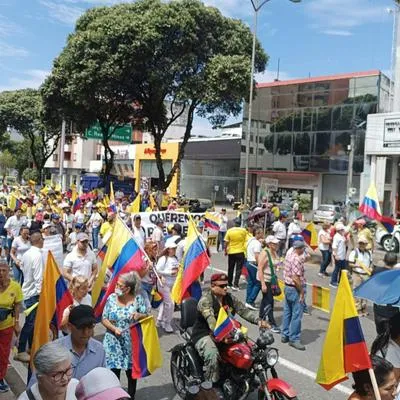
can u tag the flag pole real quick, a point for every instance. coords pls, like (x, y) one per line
(142, 249)
(374, 384)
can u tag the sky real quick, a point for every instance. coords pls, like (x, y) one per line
(311, 38)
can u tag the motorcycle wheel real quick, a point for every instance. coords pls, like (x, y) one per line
(180, 373)
(390, 243)
(275, 396)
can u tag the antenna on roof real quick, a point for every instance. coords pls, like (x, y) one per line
(277, 72)
(309, 75)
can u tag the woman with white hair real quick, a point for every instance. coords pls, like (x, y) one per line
(54, 370)
(125, 306)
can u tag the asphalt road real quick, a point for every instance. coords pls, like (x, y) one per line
(296, 367)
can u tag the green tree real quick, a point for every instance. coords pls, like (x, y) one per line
(7, 162)
(22, 110)
(129, 62)
(30, 174)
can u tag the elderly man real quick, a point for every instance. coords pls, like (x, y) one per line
(339, 254)
(81, 260)
(293, 276)
(207, 315)
(87, 353)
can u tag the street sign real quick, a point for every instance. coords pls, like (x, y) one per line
(269, 184)
(122, 133)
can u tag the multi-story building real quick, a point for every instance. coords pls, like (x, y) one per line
(300, 134)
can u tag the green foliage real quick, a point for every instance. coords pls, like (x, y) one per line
(30, 174)
(304, 204)
(7, 162)
(22, 110)
(129, 62)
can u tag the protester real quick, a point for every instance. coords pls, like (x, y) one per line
(54, 372)
(293, 229)
(107, 227)
(72, 237)
(207, 315)
(20, 245)
(46, 229)
(32, 266)
(100, 384)
(360, 261)
(3, 233)
(14, 224)
(95, 222)
(293, 276)
(122, 308)
(339, 254)
(58, 226)
(324, 245)
(147, 275)
(254, 247)
(364, 231)
(179, 240)
(382, 314)
(79, 217)
(139, 232)
(79, 289)
(10, 301)
(223, 227)
(235, 246)
(267, 262)
(279, 230)
(158, 236)
(385, 378)
(81, 261)
(167, 268)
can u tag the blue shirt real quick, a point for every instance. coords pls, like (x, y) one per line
(93, 357)
(3, 220)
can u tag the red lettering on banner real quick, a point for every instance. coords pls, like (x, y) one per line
(148, 150)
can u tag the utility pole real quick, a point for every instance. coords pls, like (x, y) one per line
(61, 156)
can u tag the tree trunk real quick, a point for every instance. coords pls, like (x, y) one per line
(157, 145)
(108, 158)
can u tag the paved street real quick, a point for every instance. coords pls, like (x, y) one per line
(298, 368)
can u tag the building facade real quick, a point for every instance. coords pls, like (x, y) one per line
(301, 129)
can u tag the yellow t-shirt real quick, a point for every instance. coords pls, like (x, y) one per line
(8, 298)
(276, 211)
(105, 227)
(366, 233)
(236, 238)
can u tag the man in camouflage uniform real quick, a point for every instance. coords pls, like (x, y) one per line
(208, 309)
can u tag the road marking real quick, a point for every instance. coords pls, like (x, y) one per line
(306, 372)
(297, 368)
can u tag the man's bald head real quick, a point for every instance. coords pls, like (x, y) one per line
(37, 239)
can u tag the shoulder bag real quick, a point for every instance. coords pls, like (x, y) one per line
(276, 290)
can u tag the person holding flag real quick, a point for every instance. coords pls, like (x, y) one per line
(205, 329)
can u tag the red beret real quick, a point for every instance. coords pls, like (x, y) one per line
(219, 277)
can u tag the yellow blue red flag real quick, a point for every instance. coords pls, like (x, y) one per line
(310, 235)
(344, 349)
(224, 325)
(212, 220)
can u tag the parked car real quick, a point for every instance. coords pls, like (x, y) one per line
(199, 205)
(389, 241)
(327, 212)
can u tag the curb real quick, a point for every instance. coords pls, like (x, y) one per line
(16, 383)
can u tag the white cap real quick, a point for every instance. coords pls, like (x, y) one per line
(339, 227)
(47, 225)
(271, 239)
(100, 384)
(170, 244)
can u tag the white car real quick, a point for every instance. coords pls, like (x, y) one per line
(389, 241)
(327, 212)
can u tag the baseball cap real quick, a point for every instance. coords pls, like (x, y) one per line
(80, 237)
(47, 225)
(200, 224)
(78, 225)
(339, 227)
(170, 244)
(220, 277)
(271, 239)
(100, 384)
(82, 315)
(55, 216)
(362, 239)
(298, 244)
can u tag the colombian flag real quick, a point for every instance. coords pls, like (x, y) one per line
(370, 205)
(195, 262)
(321, 298)
(310, 235)
(146, 350)
(123, 255)
(134, 207)
(55, 298)
(344, 349)
(77, 205)
(223, 326)
(212, 221)
(388, 223)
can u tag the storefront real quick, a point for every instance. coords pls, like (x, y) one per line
(146, 167)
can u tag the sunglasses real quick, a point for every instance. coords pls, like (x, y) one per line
(222, 286)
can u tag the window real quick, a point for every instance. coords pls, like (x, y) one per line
(302, 144)
(260, 152)
(260, 139)
(243, 149)
(98, 157)
(55, 157)
(251, 138)
(307, 119)
(284, 144)
(67, 155)
(342, 140)
(251, 150)
(269, 143)
(323, 119)
(322, 143)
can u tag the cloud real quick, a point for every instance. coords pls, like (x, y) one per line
(232, 8)
(339, 17)
(31, 79)
(8, 50)
(66, 14)
(7, 27)
(270, 76)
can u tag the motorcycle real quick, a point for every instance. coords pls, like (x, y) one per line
(245, 366)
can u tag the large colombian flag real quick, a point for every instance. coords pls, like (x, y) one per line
(55, 298)
(195, 262)
(123, 255)
(344, 349)
(146, 350)
(370, 205)
(212, 221)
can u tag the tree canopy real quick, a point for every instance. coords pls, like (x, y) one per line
(22, 110)
(129, 62)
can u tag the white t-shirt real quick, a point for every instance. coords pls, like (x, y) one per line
(14, 225)
(79, 217)
(326, 235)
(364, 257)
(279, 230)
(393, 353)
(96, 220)
(70, 395)
(339, 246)
(139, 234)
(32, 268)
(80, 265)
(86, 301)
(253, 247)
(224, 223)
(167, 265)
(20, 246)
